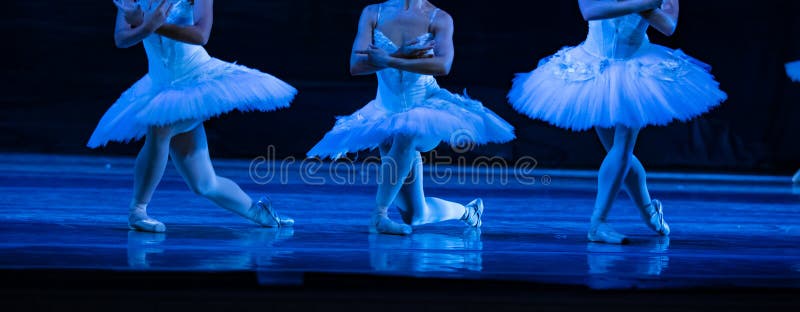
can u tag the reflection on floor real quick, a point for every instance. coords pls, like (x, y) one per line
(68, 212)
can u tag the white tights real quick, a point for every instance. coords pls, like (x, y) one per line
(401, 183)
(186, 143)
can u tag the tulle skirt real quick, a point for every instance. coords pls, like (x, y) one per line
(576, 90)
(209, 90)
(793, 70)
(442, 117)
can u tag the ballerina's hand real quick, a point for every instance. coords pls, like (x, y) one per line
(158, 16)
(414, 50)
(133, 13)
(376, 56)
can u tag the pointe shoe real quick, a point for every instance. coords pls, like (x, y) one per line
(143, 223)
(381, 224)
(655, 219)
(473, 215)
(263, 214)
(604, 233)
(796, 178)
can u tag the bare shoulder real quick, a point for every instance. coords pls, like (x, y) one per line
(442, 19)
(370, 10)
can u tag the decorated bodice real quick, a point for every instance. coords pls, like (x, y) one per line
(400, 90)
(169, 59)
(617, 38)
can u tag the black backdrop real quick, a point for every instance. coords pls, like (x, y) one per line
(61, 72)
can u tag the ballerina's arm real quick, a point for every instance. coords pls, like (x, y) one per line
(127, 35)
(664, 19)
(438, 65)
(599, 9)
(359, 63)
(197, 33)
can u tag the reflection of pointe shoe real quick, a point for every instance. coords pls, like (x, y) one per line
(661, 244)
(655, 219)
(381, 224)
(140, 244)
(604, 233)
(474, 213)
(262, 213)
(141, 222)
(472, 239)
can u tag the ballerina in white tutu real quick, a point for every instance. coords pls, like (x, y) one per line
(618, 82)
(405, 43)
(793, 70)
(183, 87)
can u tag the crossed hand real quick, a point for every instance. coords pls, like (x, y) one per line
(155, 16)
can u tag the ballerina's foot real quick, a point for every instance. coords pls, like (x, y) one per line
(796, 178)
(474, 213)
(144, 223)
(604, 233)
(383, 225)
(655, 219)
(263, 214)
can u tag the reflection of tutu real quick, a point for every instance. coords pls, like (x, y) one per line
(793, 70)
(441, 117)
(577, 90)
(210, 89)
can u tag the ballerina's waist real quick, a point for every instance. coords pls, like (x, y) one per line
(404, 94)
(618, 50)
(174, 62)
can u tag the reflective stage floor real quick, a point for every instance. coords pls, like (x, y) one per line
(68, 214)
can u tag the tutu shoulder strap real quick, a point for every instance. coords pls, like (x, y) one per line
(433, 18)
(378, 16)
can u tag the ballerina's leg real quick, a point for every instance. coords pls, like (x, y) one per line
(417, 209)
(189, 152)
(635, 184)
(611, 176)
(148, 171)
(397, 160)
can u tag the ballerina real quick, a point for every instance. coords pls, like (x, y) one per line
(184, 86)
(793, 70)
(618, 82)
(405, 43)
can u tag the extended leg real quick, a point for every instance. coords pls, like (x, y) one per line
(190, 155)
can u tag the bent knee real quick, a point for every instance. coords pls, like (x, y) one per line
(203, 188)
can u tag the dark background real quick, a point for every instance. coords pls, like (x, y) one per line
(61, 71)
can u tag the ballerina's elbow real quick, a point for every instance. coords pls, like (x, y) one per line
(442, 70)
(121, 43)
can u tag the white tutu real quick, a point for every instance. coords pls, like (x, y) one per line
(793, 70)
(442, 117)
(185, 84)
(412, 104)
(209, 90)
(616, 77)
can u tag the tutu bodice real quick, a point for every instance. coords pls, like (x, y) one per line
(617, 38)
(170, 59)
(400, 90)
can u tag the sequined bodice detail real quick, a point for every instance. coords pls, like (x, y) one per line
(400, 90)
(170, 59)
(617, 38)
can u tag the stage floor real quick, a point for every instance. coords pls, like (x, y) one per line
(69, 213)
